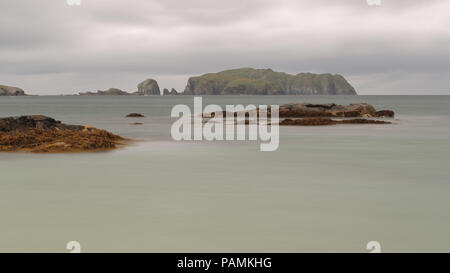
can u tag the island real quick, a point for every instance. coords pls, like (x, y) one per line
(42, 134)
(11, 91)
(109, 92)
(145, 88)
(244, 81)
(250, 81)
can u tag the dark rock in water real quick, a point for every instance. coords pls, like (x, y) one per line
(148, 87)
(363, 121)
(304, 110)
(173, 92)
(43, 134)
(24, 123)
(385, 114)
(137, 123)
(327, 110)
(249, 81)
(11, 91)
(135, 115)
(109, 92)
(308, 122)
(166, 92)
(308, 114)
(318, 121)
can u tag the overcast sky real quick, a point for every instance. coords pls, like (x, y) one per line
(50, 47)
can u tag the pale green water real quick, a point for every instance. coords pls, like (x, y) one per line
(329, 189)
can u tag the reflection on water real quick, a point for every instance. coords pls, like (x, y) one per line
(327, 189)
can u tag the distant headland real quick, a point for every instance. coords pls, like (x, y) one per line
(242, 81)
(11, 91)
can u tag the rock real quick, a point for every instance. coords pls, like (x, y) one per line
(43, 134)
(109, 92)
(11, 91)
(303, 110)
(363, 121)
(135, 115)
(385, 114)
(308, 122)
(137, 123)
(327, 110)
(251, 81)
(318, 121)
(24, 123)
(172, 92)
(148, 87)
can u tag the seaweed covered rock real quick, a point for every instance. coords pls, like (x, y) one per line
(43, 134)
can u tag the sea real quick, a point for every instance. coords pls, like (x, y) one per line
(326, 189)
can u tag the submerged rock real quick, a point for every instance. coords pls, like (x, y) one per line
(43, 134)
(135, 115)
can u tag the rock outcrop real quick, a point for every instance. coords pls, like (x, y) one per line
(307, 114)
(249, 81)
(43, 134)
(109, 92)
(307, 110)
(332, 110)
(11, 91)
(148, 87)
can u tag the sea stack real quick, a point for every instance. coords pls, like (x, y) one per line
(148, 87)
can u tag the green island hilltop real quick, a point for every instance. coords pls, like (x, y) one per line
(250, 81)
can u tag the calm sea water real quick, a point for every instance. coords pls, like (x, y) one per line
(326, 189)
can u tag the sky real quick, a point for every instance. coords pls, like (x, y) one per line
(50, 47)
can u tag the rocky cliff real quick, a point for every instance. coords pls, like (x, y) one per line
(11, 91)
(251, 81)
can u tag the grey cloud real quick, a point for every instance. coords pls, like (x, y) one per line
(50, 47)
